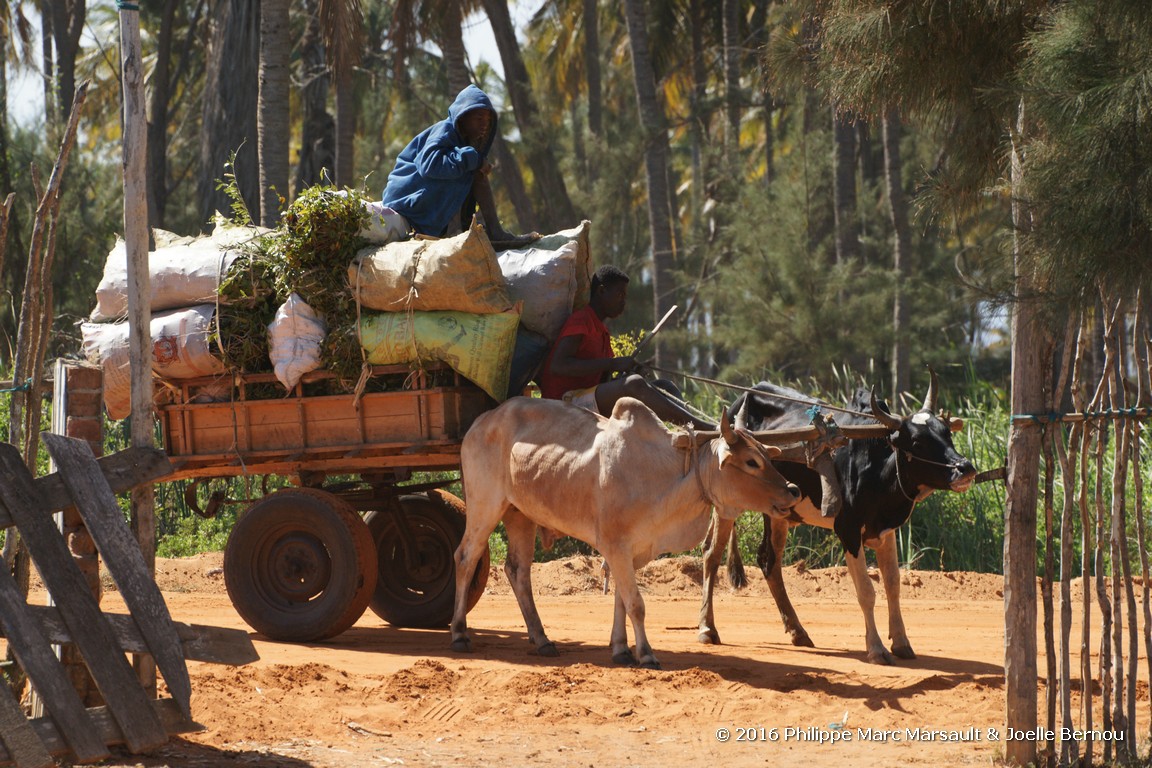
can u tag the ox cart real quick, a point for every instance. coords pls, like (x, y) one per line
(303, 563)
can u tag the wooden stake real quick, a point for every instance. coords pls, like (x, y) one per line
(135, 153)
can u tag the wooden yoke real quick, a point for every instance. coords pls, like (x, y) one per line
(811, 445)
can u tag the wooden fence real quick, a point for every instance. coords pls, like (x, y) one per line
(1093, 530)
(130, 716)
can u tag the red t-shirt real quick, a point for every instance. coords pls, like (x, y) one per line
(595, 344)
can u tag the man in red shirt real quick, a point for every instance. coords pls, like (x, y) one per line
(579, 367)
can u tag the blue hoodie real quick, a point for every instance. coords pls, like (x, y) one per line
(433, 175)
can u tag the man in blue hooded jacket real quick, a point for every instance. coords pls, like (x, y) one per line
(446, 168)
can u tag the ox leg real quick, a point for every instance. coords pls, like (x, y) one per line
(518, 569)
(629, 603)
(770, 562)
(889, 563)
(866, 596)
(480, 522)
(719, 531)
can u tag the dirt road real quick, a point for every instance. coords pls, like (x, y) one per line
(378, 696)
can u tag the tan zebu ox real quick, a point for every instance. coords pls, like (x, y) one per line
(619, 484)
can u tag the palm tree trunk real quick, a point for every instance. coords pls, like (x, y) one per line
(901, 252)
(558, 211)
(451, 41)
(731, 31)
(592, 68)
(654, 124)
(513, 182)
(67, 25)
(230, 98)
(345, 130)
(317, 142)
(272, 109)
(48, 60)
(844, 188)
(158, 119)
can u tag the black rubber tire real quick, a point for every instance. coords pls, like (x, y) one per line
(425, 597)
(300, 565)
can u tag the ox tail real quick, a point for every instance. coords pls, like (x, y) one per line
(736, 576)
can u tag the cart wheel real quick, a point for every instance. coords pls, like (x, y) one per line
(425, 595)
(300, 565)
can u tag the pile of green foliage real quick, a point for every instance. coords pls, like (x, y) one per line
(308, 254)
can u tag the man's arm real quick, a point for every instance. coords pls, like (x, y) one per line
(566, 363)
(442, 158)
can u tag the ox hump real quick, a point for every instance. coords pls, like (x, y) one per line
(634, 415)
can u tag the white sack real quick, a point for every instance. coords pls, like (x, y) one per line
(384, 224)
(179, 351)
(183, 271)
(295, 337)
(582, 236)
(545, 280)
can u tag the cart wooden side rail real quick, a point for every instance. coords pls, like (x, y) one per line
(218, 427)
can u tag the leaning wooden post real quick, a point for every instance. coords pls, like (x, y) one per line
(135, 151)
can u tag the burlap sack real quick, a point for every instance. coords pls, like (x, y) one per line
(457, 273)
(478, 347)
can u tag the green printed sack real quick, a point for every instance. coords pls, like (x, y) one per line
(478, 347)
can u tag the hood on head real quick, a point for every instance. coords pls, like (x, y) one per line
(467, 100)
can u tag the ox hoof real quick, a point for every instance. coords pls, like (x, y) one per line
(881, 657)
(801, 640)
(624, 658)
(709, 637)
(903, 651)
(653, 664)
(462, 645)
(548, 649)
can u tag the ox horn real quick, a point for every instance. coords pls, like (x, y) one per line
(892, 422)
(741, 420)
(933, 388)
(726, 431)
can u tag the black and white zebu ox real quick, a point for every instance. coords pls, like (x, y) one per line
(880, 481)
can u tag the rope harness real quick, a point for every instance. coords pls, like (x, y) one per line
(692, 457)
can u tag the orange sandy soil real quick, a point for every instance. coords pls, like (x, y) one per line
(380, 696)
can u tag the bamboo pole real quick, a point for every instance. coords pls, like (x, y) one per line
(1128, 747)
(1068, 458)
(135, 153)
(1141, 538)
(1116, 543)
(1048, 754)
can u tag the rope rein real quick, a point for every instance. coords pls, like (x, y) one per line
(718, 383)
(900, 480)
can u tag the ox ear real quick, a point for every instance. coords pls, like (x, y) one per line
(955, 424)
(772, 451)
(723, 452)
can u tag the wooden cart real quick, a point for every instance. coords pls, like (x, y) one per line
(303, 563)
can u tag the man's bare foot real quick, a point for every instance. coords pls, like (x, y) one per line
(503, 240)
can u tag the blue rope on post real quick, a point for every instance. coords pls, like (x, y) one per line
(123, 6)
(27, 385)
